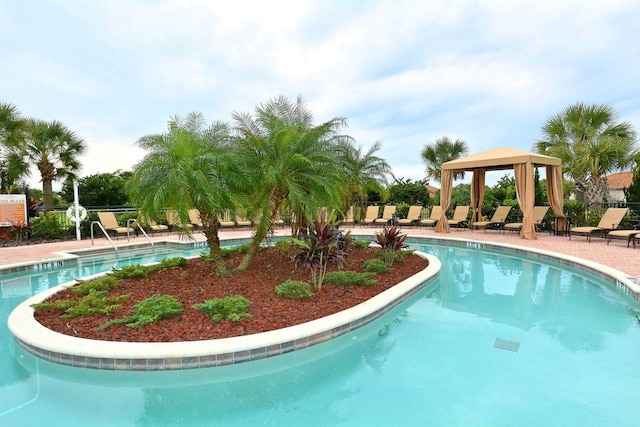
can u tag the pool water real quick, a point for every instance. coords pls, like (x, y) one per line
(496, 340)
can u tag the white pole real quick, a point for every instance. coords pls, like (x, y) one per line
(77, 209)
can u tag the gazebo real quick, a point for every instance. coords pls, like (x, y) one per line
(523, 163)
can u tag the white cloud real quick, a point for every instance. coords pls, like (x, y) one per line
(403, 72)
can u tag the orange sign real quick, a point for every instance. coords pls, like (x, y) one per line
(13, 207)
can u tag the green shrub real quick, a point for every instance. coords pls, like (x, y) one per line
(135, 271)
(233, 308)
(375, 266)
(58, 305)
(240, 249)
(95, 302)
(150, 310)
(294, 289)
(341, 278)
(49, 226)
(226, 252)
(287, 247)
(575, 211)
(362, 243)
(173, 262)
(104, 283)
(389, 257)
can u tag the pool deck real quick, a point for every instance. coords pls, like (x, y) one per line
(615, 255)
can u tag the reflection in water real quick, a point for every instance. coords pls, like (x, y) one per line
(569, 307)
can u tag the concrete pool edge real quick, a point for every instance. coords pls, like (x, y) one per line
(107, 355)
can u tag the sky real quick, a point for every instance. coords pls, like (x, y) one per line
(405, 73)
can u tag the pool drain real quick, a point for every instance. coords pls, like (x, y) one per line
(507, 345)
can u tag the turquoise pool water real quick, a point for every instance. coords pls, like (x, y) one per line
(497, 340)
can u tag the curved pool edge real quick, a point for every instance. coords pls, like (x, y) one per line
(623, 282)
(108, 355)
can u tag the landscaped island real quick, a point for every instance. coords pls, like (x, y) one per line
(195, 283)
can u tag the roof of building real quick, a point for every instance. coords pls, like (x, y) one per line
(432, 190)
(619, 180)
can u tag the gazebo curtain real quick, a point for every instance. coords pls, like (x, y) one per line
(477, 194)
(526, 198)
(446, 180)
(555, 196)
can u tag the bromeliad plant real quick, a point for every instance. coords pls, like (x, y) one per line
(325, 244)
(392, 242)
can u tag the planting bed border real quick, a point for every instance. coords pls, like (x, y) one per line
(109, 355)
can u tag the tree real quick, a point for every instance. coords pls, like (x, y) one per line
(591, 144)
(291, 163)
(13, 129)
(365, 172)
(52, 148)
(103, 189)
(188, 166)
(411, 193)
(442, 151)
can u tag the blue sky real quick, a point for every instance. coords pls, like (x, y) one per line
(402, 72)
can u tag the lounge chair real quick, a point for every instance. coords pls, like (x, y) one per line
(371, 215)
(348, 217)
(630, 235)
(434, 217)
(609, 221)
(279, 222)
(387, 215)
(194, 218)
(110, 224)
(497, 220)
(539, 212)
(173, 219)
(153, 226)
(460, 215)
(242, 221)
(413, 216)
(225, 221)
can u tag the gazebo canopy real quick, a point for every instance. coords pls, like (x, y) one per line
(523, 163)
(499, 159)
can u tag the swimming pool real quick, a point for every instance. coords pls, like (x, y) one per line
(498, 339)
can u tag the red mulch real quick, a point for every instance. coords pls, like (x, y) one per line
(196, 283)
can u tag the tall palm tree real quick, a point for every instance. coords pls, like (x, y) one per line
(13, 129)
(364, 172)
(591, 144)
(442, 151)
(291, 162)
(52, 148)
(191, 165)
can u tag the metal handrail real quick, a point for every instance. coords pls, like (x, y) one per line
(105, 234)
(130, 221)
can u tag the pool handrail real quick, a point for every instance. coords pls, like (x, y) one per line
(105, 234)
(132, 220)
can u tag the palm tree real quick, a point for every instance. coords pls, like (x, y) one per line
(292, 163)
(442, 151)
(364, 172)
(12, 133)
(591, 144)
(189, 166)
(52, 148)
